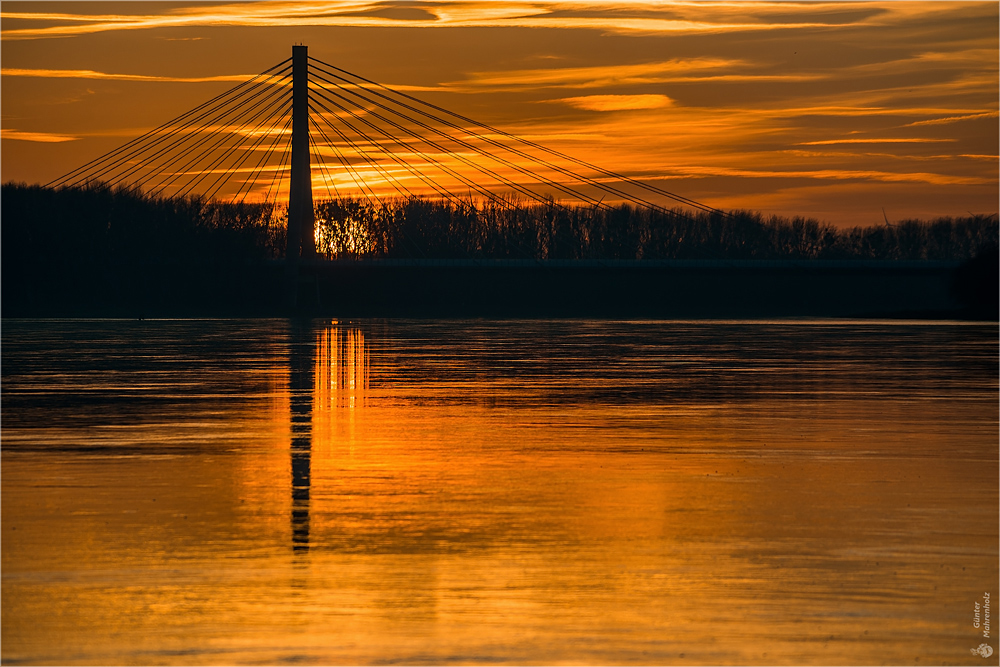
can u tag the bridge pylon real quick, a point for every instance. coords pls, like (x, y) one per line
(301, 223)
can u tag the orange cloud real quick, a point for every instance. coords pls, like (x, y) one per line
(637, 17)
(91, 74)
(954, 119)
(830, 142)
(617, 102)
(837, 174)
(678, 70)
(42, 137)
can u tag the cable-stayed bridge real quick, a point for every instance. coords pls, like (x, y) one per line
(306, 129)
(461, 218)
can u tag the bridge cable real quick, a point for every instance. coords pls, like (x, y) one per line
(606, 172)
(406, 193)
(441, 190)
(523, 189)
(323, 172)
(269, 113)
(520, 188)
(142, 137)
(357, 150)
(511, 136)
(268, 99)
(360, 182)
(329, 178)
(281, 176)
(386, 175)
(259, 169)
(524, 170)
(427, 179)
(179, 140)
(279, 173)
(440, 165)
(212, 114)
(194, 171)
(402, 189)
(211, 119)
(237, 165)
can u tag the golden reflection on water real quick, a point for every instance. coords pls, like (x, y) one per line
(341, 368)
(327, 384)
(383, 494)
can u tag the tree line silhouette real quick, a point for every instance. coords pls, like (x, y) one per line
(97, 224)
(407, 228)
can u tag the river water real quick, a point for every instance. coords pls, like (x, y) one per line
(269, 491)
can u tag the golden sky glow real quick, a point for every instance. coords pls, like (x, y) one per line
(828, 110)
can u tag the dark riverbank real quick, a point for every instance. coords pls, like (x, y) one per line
(97, 251)
(512, 288)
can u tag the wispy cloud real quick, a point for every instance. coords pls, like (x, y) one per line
(41, 137)
(858, 111)
(890, 156)
(915, 140)
(617, 102)
(678, 70)
(837, 174)
(639, 17)
(602, 75)
(953, 119)
(91, 74)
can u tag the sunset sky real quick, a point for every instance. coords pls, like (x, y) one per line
(833, 110)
